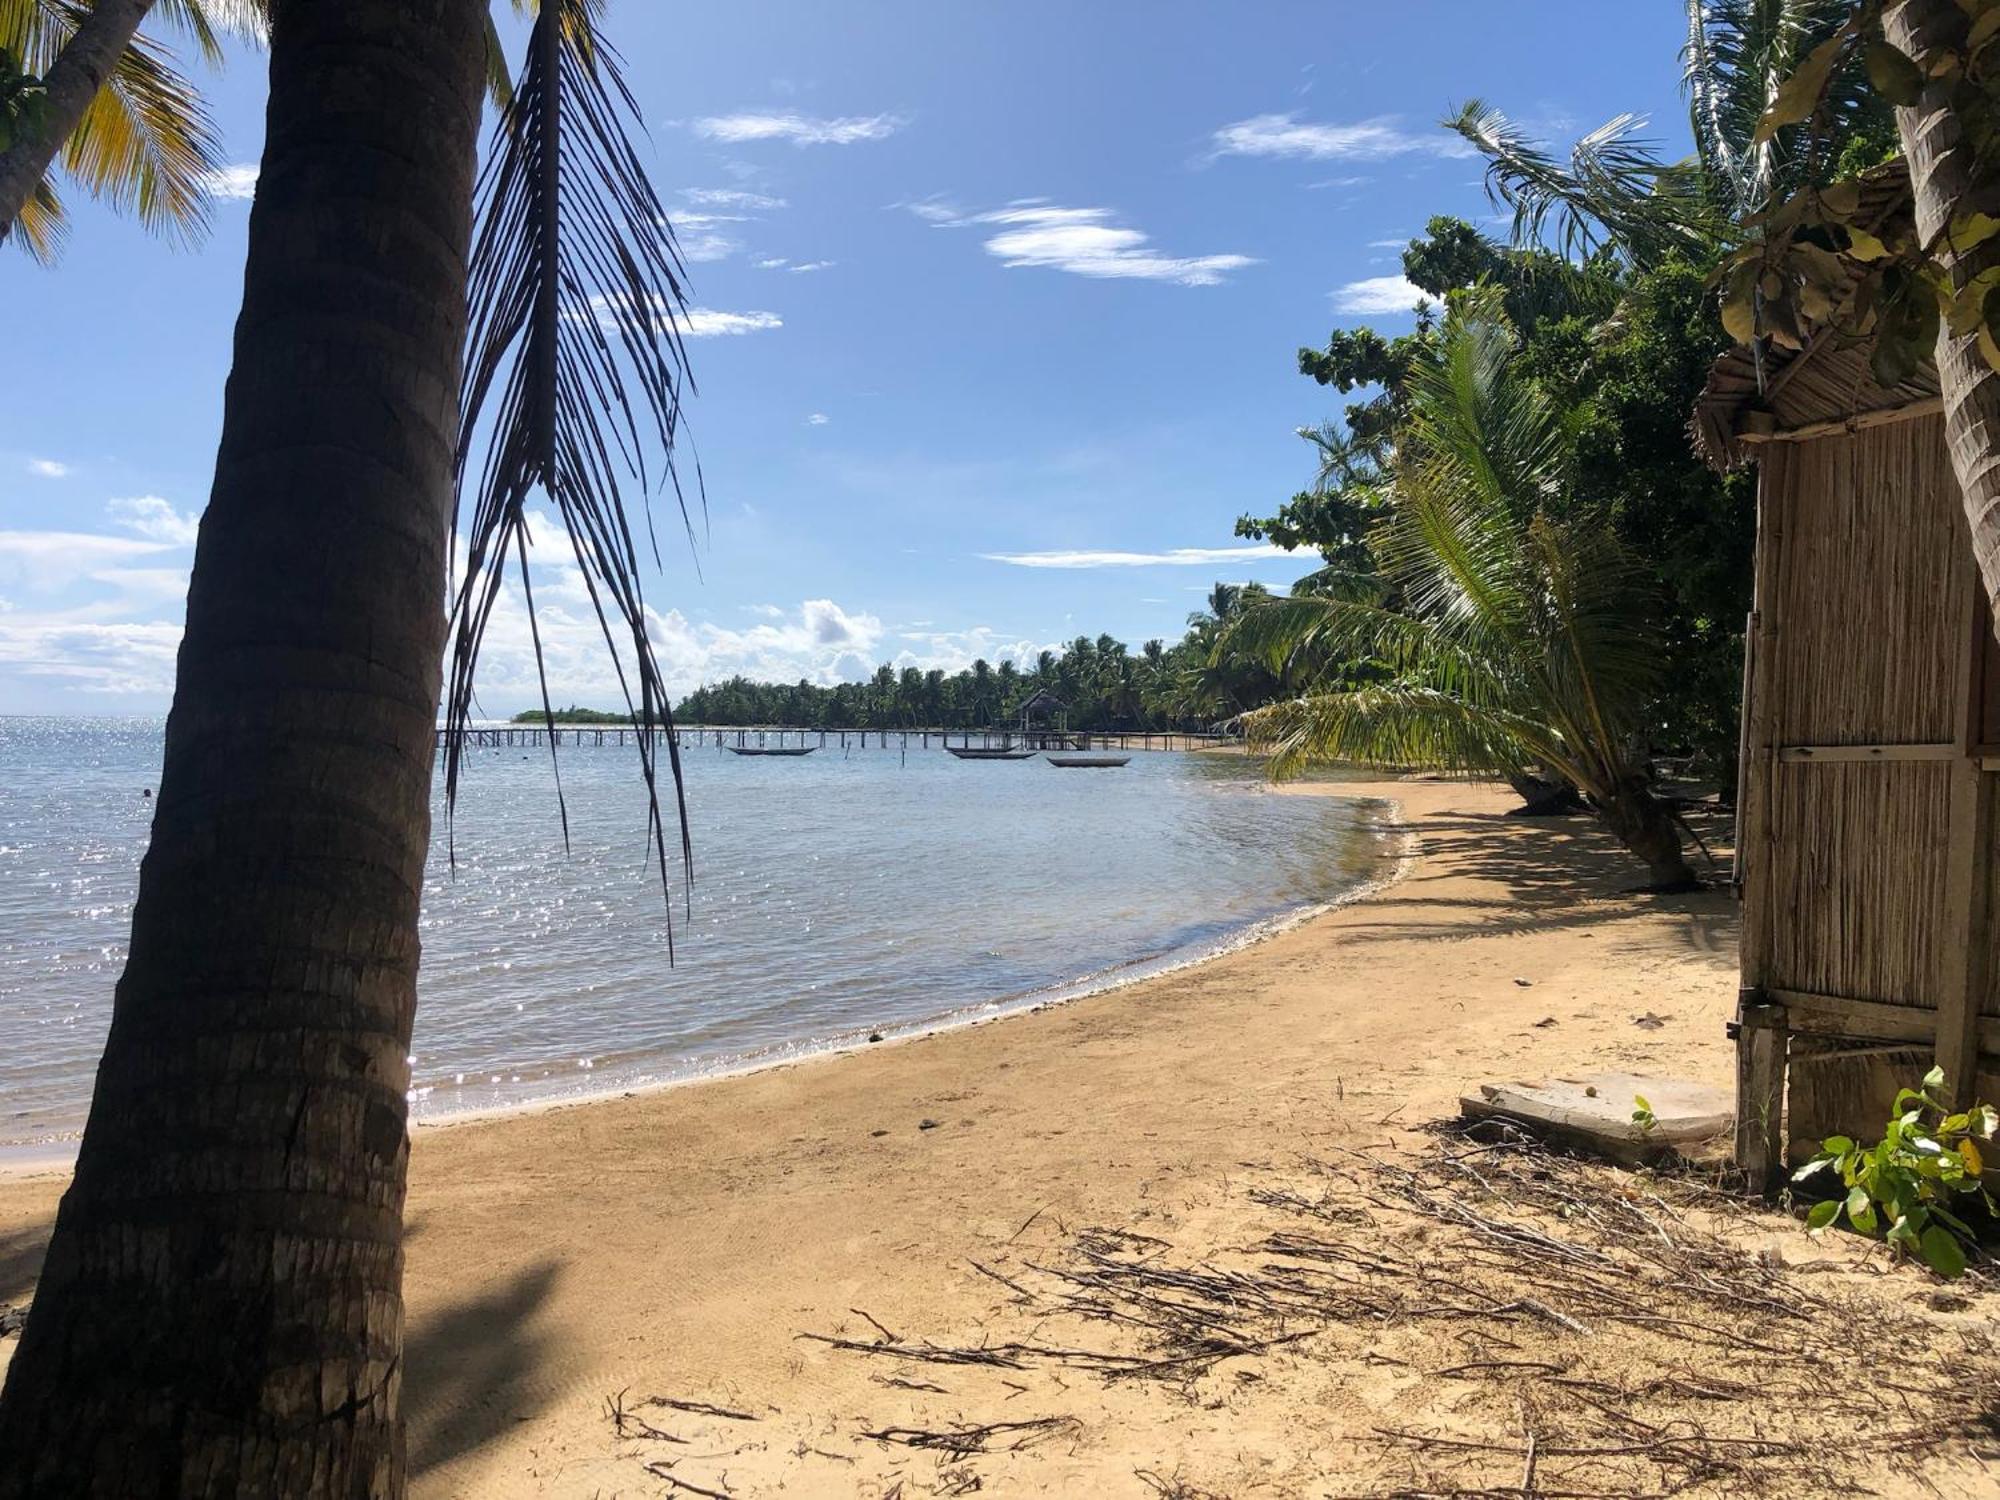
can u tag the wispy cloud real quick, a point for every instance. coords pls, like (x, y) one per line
(786, 263)
(695, 323)
(1083, 241)
(1177, 557)
(818, 419)
(1380, 294)
(48, 468)
(708, 323)
(155, 519)
(238, 180)
(799, 130)
(736, 198)
(1376, 139)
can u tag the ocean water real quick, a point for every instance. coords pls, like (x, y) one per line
(835, 895)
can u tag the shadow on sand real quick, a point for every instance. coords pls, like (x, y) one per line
(471, 1369)
(1549, 873)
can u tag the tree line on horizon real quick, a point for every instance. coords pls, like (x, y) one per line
(1204, 679)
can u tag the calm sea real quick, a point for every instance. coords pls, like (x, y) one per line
(836, 895)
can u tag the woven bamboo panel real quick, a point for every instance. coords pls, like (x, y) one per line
(1858, 881)
(1871, 589)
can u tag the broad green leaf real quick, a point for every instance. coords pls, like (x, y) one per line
(1799, 95)
(1836, 1145)
(1935, 1078)
(1840, 199)
(1943, 1253)
(1864, 246)
(1967, 232)
(1863, 1219)
(1895, 77)
(1823, 1214)
(1817, 1164)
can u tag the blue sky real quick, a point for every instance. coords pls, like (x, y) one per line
(1000, 306)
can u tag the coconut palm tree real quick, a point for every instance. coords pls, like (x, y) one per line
(122, 122)
(1953, 170)
(221, 1312)
(1615, 195)
(1522, 638)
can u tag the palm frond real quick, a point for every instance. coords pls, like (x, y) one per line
(1397, 724)
(1614, 194)
(574, 374)
(147, 145)
(1737, 56)
(207, 22)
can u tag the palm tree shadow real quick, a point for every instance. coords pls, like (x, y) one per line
(476, 1369)
(1556, 873)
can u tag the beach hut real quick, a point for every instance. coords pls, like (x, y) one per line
(1044, 712)
(1866, 834)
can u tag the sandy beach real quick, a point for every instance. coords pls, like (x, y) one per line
(678, 1244)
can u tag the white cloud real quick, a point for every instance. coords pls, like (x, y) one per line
(48, 468)
(51, 560)
(1177, 557)
(818, 419)
(800, 130)
(812, 265)
(238, 180)
(773, 263)
(707, 323)
(1366, 140)
(702, 246)
(153, 518)
(1379, 294)
(1083, 241)
(123, 658)
(735, 198)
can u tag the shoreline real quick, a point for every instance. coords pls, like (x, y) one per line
(682, 1241)
(1390, 828)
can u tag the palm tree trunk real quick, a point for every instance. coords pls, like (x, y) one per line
(1941, 177)
(1642, 823)
(221, 1311)
(79, 71)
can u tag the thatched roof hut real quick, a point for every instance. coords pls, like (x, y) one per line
(1866, 836)
(1044, 705)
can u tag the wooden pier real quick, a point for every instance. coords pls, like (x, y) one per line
(698, 736)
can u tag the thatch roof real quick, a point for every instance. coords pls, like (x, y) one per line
(1043, 702)
(1826, 382)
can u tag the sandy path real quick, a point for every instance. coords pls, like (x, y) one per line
(677, 1242)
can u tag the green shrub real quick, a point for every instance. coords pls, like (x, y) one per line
(1905, 1186)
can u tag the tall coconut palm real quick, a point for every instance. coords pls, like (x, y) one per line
(221, 1311)
(117, 116)
(1947, 139)
(1522, 638)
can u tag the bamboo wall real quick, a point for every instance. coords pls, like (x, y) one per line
(1867, 833)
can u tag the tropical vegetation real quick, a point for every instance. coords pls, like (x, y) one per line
(1516, 632)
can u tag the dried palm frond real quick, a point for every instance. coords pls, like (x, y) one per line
(574, 374)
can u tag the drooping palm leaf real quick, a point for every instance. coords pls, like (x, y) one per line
(574, 374)
(1738, 54)
(1520, 636)
(1614, 194)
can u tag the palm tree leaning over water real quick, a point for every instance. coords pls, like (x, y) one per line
(114, 113)
(1522, 639)
(220, 1312)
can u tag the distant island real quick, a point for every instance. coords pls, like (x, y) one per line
(572, 715)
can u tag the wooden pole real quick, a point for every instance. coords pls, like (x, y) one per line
(1967, 869)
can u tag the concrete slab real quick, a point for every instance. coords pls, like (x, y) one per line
(1594, 1113)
